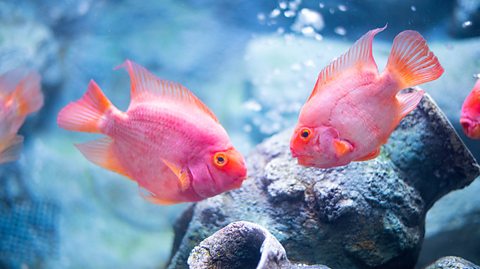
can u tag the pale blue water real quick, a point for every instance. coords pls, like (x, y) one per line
(252, 62)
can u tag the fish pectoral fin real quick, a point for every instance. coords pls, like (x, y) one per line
(182, 175)
(409, 101)
(100, 152)
(12, 151)
(152, 198)
(342, 147)
(369, 156)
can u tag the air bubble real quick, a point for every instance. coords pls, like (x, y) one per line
(466, 24)
(339, 30)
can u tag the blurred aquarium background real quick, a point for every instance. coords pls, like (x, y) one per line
(253, 62)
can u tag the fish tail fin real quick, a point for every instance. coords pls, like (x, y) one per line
(411, 62)
(28, 95)
(87, 113)
(13, 149)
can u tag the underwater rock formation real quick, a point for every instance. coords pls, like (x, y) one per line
(451, 262)
(242, 245)
(452, 227)
(364, 215)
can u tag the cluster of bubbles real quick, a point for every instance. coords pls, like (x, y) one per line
(279, 93)
(307, 22)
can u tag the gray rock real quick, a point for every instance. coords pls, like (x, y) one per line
(364, 215)
(451, 262)
(241, 245)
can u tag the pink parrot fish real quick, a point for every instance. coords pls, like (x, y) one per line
(470, 118)
(353, 108)
(20, 95)
(167, 141)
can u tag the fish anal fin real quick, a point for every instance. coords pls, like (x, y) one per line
(182, 175)
(100, 152)
(369, 156)
(145, 86)
(408, 101)
(152, 198)
(13, 149)
(342, 147)
(358, 57)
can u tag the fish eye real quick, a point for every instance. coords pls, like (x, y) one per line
(305, 134)
(220, 159)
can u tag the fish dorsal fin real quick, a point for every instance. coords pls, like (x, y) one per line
(359, 57)
(145, 86)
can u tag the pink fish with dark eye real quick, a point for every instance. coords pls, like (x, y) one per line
(470, 118)
(167, 141)
(20, 95)
(353, 108)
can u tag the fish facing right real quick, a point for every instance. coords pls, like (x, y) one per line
(353, 108)
(168, 141)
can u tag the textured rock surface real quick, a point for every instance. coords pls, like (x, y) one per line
(364, 215)
(241, 245)
(451, 262)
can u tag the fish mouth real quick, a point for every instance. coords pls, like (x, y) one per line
(470, 127)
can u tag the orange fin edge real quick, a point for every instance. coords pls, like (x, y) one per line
(182, 175)
(372, 155)
(411, 60)
(150, 197)
(100, 152)
(342, 147)
(84, 115)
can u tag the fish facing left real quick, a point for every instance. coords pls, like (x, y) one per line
(353, 108)
(20, 95)
(168, 141)
(470, 117)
